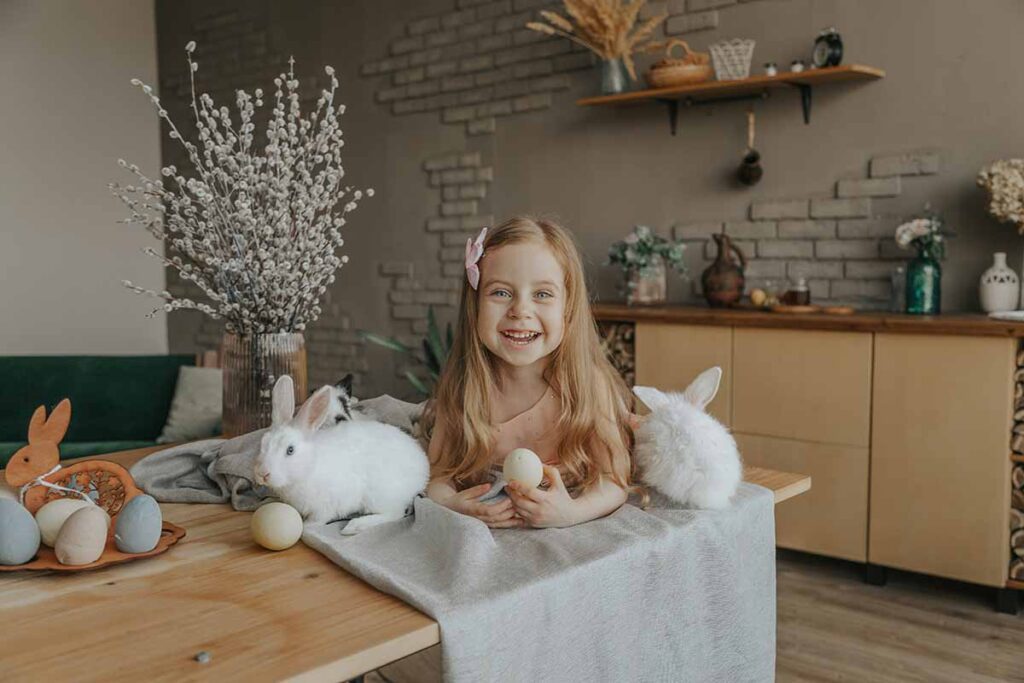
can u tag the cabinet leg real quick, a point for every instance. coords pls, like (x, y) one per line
(1007, 601)
(875, 575)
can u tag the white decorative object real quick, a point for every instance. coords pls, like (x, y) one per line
(732, 58)
(1004, 181)
(771, 69)
(522, 465)
(797, 65)
(999, 289)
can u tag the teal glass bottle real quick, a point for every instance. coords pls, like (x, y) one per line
(924, 282)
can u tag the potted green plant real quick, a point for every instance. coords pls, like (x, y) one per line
(644, 258)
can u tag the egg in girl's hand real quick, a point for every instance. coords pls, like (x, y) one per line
(19, 535)
(51, 517)
(276, 526)
(138, 525)
(523, 466)
(83, 537)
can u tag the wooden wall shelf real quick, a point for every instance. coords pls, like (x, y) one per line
(755, 87)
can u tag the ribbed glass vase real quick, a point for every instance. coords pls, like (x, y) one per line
(251, 364)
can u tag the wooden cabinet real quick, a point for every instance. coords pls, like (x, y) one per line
(803, 385)
(669, 357)
(940, 471)
(830, 519)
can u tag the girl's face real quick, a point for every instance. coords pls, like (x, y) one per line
(521, 303)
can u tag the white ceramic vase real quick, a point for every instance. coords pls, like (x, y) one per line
(999, 289)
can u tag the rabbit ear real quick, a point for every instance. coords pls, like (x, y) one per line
(651, 397)
(283, 401)
(52, 429)
(703, 389)
(313, 412)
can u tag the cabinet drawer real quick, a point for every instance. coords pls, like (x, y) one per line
(802, 384)
(831, 518)
(669, 357)
(941, 421)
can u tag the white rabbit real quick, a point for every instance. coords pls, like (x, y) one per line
(684, 452)
(327, 474)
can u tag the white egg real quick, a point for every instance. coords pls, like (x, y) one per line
(83, 536)
(276, 526)
(51, 517)
(523, 465)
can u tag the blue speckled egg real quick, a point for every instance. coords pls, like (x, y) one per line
(138, 525)
(19, 534)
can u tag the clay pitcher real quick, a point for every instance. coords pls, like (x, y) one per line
(723, 280)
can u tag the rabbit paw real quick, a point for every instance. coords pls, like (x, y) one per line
(362, 523)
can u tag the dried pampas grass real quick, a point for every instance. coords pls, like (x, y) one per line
(608, 28)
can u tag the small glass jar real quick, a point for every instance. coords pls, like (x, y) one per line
(898, 297)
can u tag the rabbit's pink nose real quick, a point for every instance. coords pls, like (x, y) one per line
(262, 476)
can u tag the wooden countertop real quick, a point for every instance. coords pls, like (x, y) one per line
(260, 615)
(956, 324)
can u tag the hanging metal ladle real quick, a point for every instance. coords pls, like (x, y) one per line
(750, 170)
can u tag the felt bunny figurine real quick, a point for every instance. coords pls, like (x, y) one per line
(682, 451)
(41, 454)
(328, 474)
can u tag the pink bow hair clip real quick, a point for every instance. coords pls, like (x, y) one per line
(474, 250)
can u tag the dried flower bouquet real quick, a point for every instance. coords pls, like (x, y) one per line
(608, 28)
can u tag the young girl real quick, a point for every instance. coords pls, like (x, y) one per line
(527, 370)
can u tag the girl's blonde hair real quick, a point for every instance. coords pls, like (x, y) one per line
(596, 437)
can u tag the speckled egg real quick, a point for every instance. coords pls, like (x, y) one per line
(19, 535)
(51, 517)
(522, 465)
(137, 529)
(276, 526)
(82, 538)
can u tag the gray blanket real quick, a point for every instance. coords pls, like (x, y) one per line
(664, 594)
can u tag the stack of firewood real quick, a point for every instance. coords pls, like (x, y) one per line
(1017, 523)
(1017, 476)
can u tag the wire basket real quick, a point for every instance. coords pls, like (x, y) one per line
(732, 58)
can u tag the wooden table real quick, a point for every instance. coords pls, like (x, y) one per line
(260, 615)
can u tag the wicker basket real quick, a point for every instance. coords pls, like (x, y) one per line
(732, 58)
(671, 71)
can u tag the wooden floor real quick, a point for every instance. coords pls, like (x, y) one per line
(834, 627)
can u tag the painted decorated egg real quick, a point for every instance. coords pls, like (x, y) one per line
(276, 526)
(522, 465)
(19, 535)
(83, 536)
(137, 527)
(51, 517)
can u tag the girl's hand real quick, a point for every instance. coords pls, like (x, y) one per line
(497, 516)
(542, 509)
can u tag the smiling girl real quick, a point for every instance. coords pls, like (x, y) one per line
(527, 370)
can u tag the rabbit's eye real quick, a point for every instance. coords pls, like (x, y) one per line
(290, 451)
(340, 418)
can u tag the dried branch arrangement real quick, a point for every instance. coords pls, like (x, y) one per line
(256, 230)
(608, 28)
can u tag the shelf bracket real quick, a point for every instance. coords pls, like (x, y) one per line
(805, 101)
(673, 114)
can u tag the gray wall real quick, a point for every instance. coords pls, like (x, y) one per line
(68, 113)
(498, 133)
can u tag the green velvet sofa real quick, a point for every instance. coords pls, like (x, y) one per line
(117, 402)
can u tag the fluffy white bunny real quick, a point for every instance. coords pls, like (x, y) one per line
(684, 452)
(354, 466)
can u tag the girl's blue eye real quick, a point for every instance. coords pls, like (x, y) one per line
(500, 292)
(545, 294)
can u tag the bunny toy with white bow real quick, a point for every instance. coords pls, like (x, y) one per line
(682, 451)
